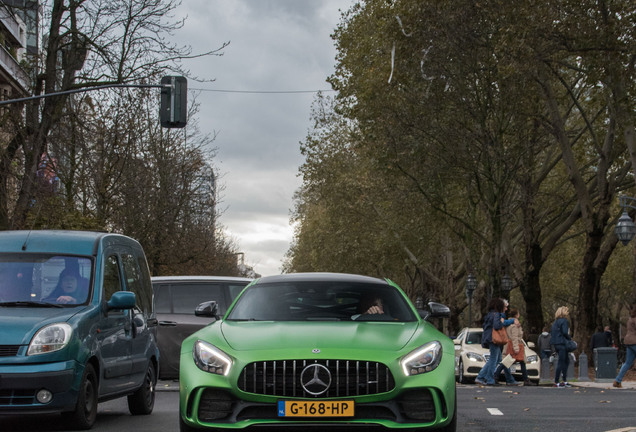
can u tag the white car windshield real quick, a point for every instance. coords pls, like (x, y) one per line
(321, 301)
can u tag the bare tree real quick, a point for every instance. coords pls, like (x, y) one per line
(86, 44)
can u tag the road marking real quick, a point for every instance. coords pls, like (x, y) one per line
(494, 411)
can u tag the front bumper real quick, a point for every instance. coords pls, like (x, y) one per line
(19, 385)
(416, 408)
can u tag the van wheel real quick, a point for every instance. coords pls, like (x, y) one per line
(142, 401)
(86, 408)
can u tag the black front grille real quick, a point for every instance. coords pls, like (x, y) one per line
(10, 397)
(9, 350)
(418, 405)
(347, 378)
(214, 405)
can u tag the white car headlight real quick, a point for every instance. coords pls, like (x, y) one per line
(209, 358)
(475, 357)
(51, 338)
(532, 359)
(424, 359)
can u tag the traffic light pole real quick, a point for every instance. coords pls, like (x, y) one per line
(81, 90)
(173, 108)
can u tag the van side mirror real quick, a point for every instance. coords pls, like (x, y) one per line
(122, 300)
(207, 309)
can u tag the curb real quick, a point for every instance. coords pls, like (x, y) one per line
(167, 386)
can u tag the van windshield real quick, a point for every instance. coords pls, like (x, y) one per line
(44, 279)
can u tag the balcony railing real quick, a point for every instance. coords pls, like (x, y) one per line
(11, 68)
(11, 25)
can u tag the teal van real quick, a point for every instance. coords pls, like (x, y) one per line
(78, 325)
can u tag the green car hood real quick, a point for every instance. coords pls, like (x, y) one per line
(270, 335)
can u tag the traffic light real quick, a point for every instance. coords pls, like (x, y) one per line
(173, 112)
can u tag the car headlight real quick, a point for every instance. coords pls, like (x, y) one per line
(475, 357)
(209, 358)
(424, 359)
(51, 338)
(532, 359)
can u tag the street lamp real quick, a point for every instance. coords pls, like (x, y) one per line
(506, 283)
(625, 228)
(471, 285)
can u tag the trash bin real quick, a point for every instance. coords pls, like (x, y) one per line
(605, 362)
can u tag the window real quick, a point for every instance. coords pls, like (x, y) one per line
(235, 290)
(474, 338)
(186, 297)
(136, 283)
(37, 277)
(112, 278)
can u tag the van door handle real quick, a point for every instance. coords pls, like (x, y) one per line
(168, 323)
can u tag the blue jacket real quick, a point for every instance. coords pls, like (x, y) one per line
(492, 320)
(560, 332)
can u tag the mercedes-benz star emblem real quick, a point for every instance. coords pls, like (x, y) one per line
(315, 379)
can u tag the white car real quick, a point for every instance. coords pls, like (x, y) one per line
(470, 357)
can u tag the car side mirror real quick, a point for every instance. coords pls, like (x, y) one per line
(207, 309)
(438, 310)
(122, 300)
(434, 310)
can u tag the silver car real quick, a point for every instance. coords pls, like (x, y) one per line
(176, 298)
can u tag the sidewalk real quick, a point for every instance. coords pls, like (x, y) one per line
(604, 384)
(167, 385)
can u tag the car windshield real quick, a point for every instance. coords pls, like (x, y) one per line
(321, 301)
(44, 280)
(474, 338)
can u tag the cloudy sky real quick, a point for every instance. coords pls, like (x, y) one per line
(274, 45)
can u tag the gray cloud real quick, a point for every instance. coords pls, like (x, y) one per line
(275, 45)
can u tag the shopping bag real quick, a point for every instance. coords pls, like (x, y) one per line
(499, 337)
(508, 361)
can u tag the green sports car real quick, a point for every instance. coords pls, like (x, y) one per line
(319, 349)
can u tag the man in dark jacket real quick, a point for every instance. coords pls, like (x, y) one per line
(599, 339)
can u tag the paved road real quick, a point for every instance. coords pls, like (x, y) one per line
(590, 407)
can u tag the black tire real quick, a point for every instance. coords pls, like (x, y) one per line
(85, 412)
(142, 401)
(462, 378)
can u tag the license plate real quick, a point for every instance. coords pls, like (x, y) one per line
(289, 408)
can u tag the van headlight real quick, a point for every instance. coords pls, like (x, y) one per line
(424, 359)
(51, 338)
(209, 358)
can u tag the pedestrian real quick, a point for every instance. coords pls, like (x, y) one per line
(492, 321)
(513, 326)
(516, 347)
(630, 346)
(599, 339)
(559, 335)
(544, 345)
